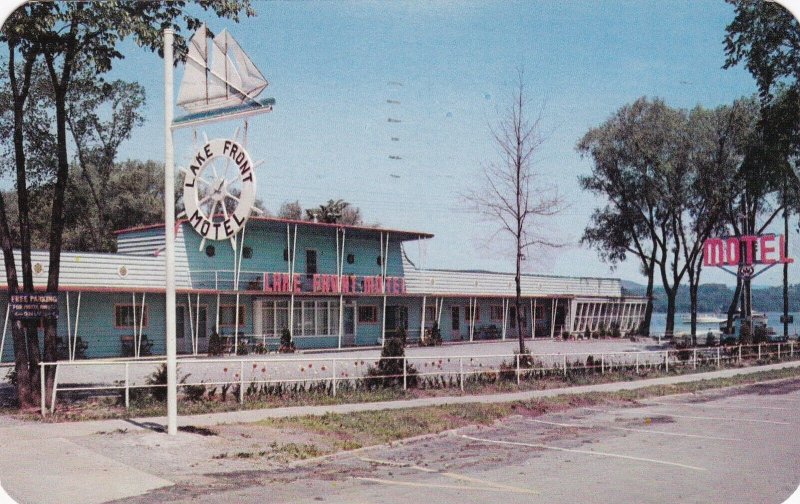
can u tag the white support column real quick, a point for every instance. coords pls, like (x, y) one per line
(472, 319)
(135, 333)
(5, 329)
(169, 238)
(553, 317)
(141, 320)
(69, 327)
(439, 313)
(191, 319)
(383, 322)
(573, 310)
(216, 323)
(533, 319)
(422, 319)
(196, 332)
(340, 272)
(236, 328)
(505, 318)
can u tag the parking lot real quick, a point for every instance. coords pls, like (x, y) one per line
(731, 445)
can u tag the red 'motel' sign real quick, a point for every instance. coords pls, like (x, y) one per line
(745, 250)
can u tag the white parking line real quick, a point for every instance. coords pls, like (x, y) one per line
(722, 406)
(646, 431)
(726, 419)
(585, 452)
(455, 476)
(437, 485)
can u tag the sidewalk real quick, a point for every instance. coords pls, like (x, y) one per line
(71, 429)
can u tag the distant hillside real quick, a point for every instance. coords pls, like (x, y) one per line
(717, 297)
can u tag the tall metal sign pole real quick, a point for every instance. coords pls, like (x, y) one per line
(169, 237)
(218, 84)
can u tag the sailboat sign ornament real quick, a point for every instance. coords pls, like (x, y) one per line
(220, 82)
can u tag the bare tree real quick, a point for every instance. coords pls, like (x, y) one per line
(510, 193)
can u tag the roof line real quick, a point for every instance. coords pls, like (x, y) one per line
(534, 275)
(418, 234)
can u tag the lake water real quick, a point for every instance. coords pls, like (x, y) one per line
(659, 322)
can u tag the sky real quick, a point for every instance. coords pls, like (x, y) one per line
(332, 66)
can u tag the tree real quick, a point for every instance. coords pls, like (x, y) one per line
(290, 210)
(69, 36)
(510, 193)
(663, 199)
(765, 37)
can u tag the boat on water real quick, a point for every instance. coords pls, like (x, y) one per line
(704, 318)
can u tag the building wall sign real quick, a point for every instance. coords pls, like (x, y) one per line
(224, 189)
(34, 306)
(329, 284)
(748, 250)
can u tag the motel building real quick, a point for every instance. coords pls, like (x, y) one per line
(331, 286)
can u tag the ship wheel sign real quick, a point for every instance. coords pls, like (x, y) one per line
(220, 82)
(219, 190)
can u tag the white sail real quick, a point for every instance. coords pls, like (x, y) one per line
(194, 84)
(223, 77)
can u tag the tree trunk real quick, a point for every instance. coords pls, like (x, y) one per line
(670, 326)
(56, 231)
(786, 274)
(693, 307)
(734, 303)
(518, 302)
(648, 311)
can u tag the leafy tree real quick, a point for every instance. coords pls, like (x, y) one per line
(290, 210)
(765, 37)
(510, 194)
(69, 37)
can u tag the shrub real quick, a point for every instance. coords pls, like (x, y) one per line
(433, 337)
(145, 347)
(193, 392)
(287, 345)
(62, 350)
(745, 335)
(215, 345)
(710, 340)
(587, 334)
(565, 335)
(615, 331)
(760, 335)
(601, 330)
(158, 382)
(260, 349)
(388, 371)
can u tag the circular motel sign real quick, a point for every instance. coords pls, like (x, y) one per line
(219, 189)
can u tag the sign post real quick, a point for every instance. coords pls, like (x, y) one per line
(220, 84)
(169, 238)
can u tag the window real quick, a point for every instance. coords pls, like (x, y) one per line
(211, 251)
(227, 315)
(247, 253)
(180, 327)
(367, 314)
(496, 312)
(311, 318)
(379, 261)
(468, 313)
(311, 261)
(123, 316)
(351, 258)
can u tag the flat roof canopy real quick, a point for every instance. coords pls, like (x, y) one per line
(273, 223)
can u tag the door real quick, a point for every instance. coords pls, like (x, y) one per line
(184, 327)
(349, 325)
(311, 263)
(396, 318)
(455, 324)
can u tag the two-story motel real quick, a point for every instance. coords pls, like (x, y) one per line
(330, 285)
